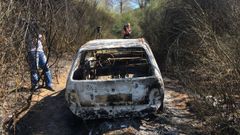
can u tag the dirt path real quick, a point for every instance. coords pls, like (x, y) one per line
(49, 115)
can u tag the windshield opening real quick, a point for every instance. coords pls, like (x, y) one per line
(117, 63)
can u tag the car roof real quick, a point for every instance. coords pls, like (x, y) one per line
(113, 43)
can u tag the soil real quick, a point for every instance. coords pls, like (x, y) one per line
(49, 115)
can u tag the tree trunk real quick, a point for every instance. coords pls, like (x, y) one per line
(121, 6)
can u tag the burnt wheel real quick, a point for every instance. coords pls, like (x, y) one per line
(156, 98)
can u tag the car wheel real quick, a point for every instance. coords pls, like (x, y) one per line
(156, 97)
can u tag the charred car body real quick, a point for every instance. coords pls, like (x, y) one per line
(114, 78)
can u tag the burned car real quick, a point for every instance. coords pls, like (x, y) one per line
(114, 78)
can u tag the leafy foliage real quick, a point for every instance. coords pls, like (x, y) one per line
(133, 18)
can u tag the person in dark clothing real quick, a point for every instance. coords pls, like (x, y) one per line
(127, 31)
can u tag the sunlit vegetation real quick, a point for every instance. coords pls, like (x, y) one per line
(197, 41)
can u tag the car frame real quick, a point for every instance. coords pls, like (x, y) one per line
(126, 89)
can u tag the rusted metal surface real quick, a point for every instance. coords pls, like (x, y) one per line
(114, 78)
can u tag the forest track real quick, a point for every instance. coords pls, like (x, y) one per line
(49, 115)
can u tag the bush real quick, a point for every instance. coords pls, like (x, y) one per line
(66, 25)
(198, 41)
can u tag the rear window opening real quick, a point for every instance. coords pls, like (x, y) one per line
(117, 63)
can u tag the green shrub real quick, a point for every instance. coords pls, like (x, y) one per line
(132, 17)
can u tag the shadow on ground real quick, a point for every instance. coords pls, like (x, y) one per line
(51, 116)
